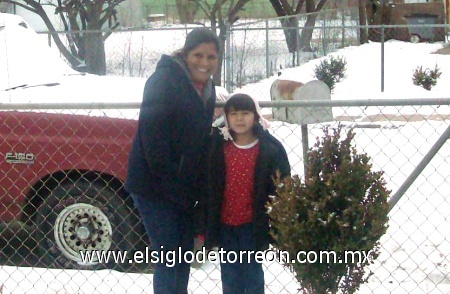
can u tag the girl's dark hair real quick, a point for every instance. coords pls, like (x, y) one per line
(241, 102)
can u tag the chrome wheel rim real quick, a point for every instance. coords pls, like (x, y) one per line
(415, 39)
(82, 227)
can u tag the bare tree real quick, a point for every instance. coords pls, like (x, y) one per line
(221, 13)
(284, 8)
(83, 21)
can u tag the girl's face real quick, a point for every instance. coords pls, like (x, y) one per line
(241, 122)
(202, 62)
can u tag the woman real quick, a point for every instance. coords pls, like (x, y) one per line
(164, 166)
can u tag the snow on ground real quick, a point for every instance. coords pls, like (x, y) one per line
(415, 254)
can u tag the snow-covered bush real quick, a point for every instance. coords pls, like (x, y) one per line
(331, 70)
(341, 208)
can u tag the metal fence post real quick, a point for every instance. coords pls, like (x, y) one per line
(382, 58)
(324, 38)
(305, 147)
(298, 40)
(343, 28)
(228, 57)
(267, 50)
(382, 47)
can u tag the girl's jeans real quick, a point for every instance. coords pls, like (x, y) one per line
(170, 229)
(241, 276)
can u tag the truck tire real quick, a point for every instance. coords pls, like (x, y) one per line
(84, 216)
(414, 38)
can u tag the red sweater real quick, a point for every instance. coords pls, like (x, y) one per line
(237, 205)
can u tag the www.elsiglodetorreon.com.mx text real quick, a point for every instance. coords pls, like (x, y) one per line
(171, 257)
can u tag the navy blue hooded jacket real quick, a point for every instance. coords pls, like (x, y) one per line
(174, 122)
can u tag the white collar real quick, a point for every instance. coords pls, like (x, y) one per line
(248, 146)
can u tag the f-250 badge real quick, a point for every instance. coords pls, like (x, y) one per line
(19, 157)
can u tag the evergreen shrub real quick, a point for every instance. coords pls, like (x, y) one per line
(426, 78)
(331, 70)
(341, 207)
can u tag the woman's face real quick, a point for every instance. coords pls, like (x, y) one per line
(202, 62)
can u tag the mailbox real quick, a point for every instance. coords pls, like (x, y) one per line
(313, 90)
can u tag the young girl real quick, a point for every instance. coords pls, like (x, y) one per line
(244, 160)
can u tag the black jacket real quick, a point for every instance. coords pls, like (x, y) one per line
(271, 158)
(174, 122)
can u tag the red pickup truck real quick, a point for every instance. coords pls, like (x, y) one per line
(62, 180)
(61, 175)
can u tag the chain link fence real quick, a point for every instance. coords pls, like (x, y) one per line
(63, 167)
(258, 49)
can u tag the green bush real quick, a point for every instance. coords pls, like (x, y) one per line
(341, 207)
(331, 70)
(426, 78)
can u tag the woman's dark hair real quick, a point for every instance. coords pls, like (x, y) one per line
(199, 36)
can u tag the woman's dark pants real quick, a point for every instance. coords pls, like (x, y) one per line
(169, 227)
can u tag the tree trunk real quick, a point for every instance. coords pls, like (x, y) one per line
(94, 49)
(307, 31)
(217, 77)
(92, 44)
(290, 29)
(363, 37)
(289, 25)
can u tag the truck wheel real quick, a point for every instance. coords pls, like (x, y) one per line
(414, 39)
(83, 216)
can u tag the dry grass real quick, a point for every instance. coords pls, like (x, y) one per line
(445, 50)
